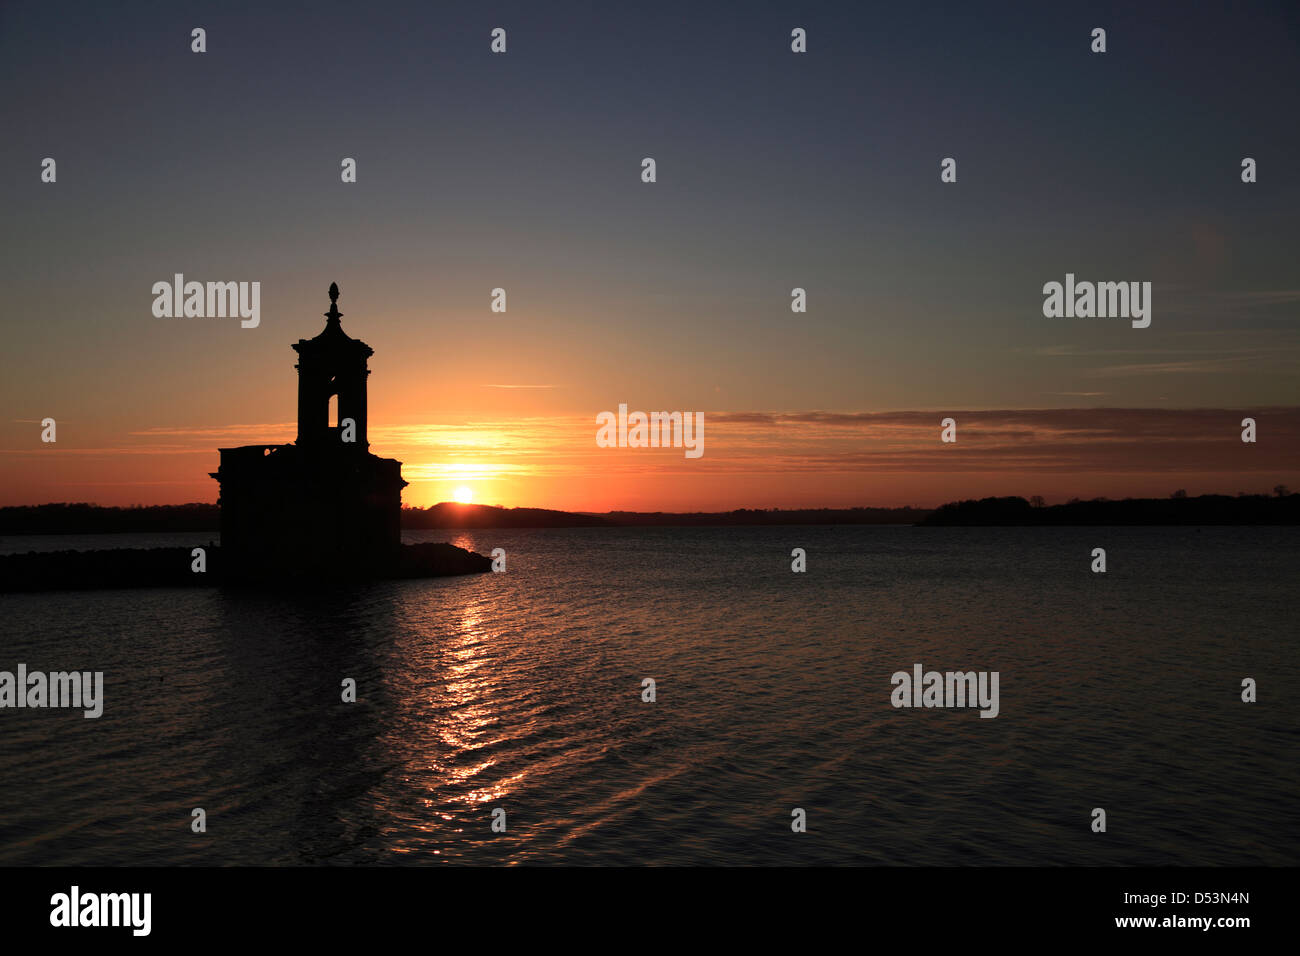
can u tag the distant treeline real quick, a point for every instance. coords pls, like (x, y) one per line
(200, 517)
(449, 515)
(773, 516)
(1177, 509)
(92, 519)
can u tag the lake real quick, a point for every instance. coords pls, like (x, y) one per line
(523, 691)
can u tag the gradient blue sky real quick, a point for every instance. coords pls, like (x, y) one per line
(522, 171)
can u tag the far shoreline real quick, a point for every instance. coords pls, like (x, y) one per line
(1281, 508)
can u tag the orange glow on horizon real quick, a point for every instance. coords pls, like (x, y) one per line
(751, 460)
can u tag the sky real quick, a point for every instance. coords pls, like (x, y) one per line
(774, 170)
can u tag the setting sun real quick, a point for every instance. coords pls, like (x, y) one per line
(464, 495)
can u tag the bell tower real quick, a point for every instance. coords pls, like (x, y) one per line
(321, 508)
(332, 364)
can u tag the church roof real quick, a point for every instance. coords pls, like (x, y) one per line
(332, 337)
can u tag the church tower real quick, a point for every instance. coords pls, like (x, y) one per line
(332, 364)
(322, 508)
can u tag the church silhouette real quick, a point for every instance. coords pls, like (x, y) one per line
(321, 511)
(323, 506)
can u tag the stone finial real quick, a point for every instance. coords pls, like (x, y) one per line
(334, 314)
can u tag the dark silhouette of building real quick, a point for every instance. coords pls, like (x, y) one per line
(323, 506)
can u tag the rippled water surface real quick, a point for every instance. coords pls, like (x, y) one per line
(523, 691)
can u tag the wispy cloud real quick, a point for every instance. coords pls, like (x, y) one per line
(1113, 440)
(1206, 366)
(259, 431)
